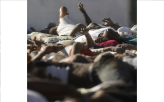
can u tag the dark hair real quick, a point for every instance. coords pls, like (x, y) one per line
(51, 24)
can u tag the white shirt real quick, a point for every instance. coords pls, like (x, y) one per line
(126, 33)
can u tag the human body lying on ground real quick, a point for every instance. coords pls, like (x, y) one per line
(97, 68)
(67, 28)
(96, 31)
(105, 68)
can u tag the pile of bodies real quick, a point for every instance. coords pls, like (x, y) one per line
(69, 62)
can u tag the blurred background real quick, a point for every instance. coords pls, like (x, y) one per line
(42, 12)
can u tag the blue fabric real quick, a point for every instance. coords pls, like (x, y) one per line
(29, 31)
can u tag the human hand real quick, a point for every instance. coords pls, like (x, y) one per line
(80, 6)
(107, 22)
(84, 30)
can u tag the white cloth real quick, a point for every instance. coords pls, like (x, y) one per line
(33, 96)
(126, 33)
(37, 34)
(66, 50)
(65, 26)
(28, 36)
(43, 37)
(49, 56)
(61, 73)
(131, 61)
(134, 28)
(93, 33)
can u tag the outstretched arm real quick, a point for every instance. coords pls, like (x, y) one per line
(86, 17)
(89, 40)
(109, 22)
(46, 50)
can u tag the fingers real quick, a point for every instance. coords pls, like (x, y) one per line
(80, 4)
(103, 20)
(106, 19)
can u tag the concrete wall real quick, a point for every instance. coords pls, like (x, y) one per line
(41, 12)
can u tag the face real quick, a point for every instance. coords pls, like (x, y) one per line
(111, 35)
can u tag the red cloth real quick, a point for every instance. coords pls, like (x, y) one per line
(108, 43)
(86, 52)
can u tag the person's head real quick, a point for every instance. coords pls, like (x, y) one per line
(112, 35)
(51, 24)
(63, 11)
(53, 31)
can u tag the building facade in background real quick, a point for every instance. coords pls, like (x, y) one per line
(41, 12)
